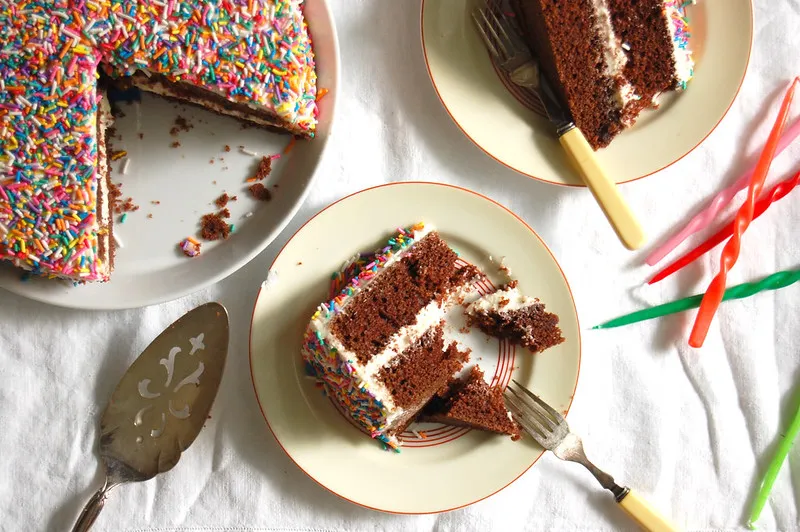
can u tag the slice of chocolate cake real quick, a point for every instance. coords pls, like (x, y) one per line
(379, 345)
(472, 403)
(522, 320)
(609, 59)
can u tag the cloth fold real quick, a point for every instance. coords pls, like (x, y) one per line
(690, 430)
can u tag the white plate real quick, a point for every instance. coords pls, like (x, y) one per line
(485, 111)
(150, 268)
(449, 468)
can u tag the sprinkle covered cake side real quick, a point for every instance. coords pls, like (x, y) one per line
(248, 58)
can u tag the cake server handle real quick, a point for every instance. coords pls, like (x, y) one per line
(605, 191)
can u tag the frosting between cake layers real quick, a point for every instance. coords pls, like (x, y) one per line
(334, 364)
(613, 55)
(677, 24)
(516, 300)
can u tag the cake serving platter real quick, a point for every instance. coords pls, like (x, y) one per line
(439, 468)
(175, 179)
(507, 130)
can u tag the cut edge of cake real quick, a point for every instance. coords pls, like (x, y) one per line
(522, 320)
(472, 402)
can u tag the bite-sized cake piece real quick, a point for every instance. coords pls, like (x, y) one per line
(609, 59)
(250, 59)
(379, 346)
(471, 402)
(509, 314)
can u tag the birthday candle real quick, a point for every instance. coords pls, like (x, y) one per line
(777, 192)
(705, 217)
(730, 253)
(775, 281)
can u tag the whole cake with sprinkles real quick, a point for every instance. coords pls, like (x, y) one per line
(251, 59)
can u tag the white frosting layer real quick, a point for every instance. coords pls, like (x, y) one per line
(684, 64)
(613, 55)
(492, 302)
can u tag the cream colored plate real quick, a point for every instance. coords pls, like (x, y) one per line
(450, 468)
(467, 85)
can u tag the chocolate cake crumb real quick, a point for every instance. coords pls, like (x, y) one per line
(264, 169)
(181, 124)
(211, 161)
(149, 216)
(213, 227)
(224, 213)
(222, 200)
(141, 136)
(227, 148)
(464, 330)
(175, 144)
(260, 192)
(155, 202)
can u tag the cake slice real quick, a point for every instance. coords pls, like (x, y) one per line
(608, 59)
(509, 314)
(472, 403)
(379, 346)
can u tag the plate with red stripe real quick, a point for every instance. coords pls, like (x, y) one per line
(439, 468)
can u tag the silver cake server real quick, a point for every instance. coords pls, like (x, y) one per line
(161, 403)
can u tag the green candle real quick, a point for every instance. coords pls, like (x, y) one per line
(773, 282)
(773, 469)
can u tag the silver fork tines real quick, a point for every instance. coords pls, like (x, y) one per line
(550, 430)
(504, 43)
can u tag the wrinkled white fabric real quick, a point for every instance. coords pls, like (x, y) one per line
(691, 430)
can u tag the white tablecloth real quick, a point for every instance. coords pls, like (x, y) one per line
(690, 430)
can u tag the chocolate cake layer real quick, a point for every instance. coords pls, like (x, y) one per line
(472, 403)
(417, 373)
(206, 99)
(394, 299)
(648, 46)
(531, 327)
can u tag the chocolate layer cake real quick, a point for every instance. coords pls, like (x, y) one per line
(379, 347)
(471, 402)
(522, 320)
(609, 59)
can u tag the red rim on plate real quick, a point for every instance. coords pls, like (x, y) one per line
(405, 183)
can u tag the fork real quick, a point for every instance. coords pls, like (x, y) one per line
(502, 39)
(551, 431)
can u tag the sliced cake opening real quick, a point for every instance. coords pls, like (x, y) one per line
(415, 375)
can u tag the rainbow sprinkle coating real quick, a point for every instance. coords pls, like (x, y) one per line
(337, 374)
(257, 52)
(678, 21)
